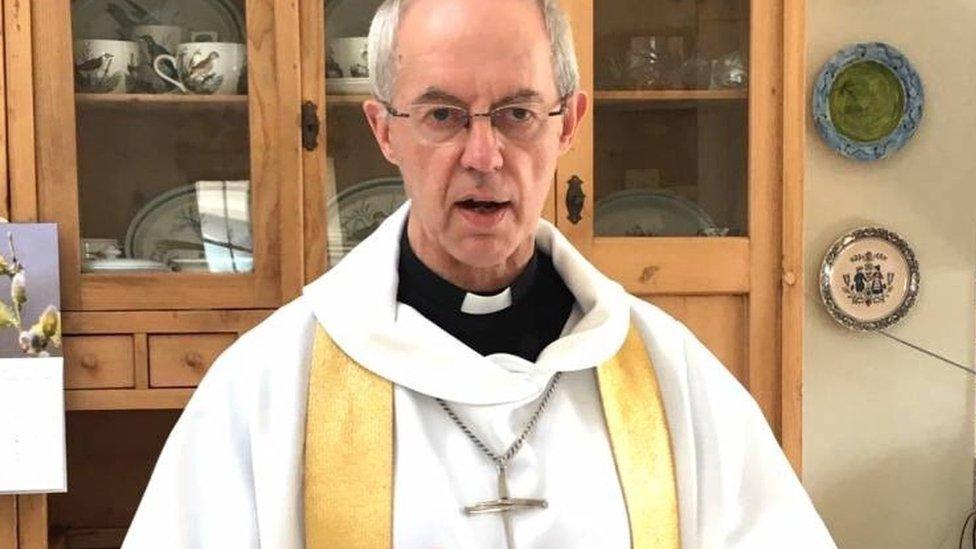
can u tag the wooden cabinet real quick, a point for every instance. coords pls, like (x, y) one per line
(696, 112)
(98, 362)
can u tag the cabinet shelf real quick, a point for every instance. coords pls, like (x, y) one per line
(643, 96)
(162, 100)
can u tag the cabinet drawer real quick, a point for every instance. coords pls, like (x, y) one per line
(98, 362)
(181, 360)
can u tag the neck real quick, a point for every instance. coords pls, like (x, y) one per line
(469, 277)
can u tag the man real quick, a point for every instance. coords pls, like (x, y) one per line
(464, 378)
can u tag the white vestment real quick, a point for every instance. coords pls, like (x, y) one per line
(231, 472)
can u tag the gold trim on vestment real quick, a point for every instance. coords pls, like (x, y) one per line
(348, 453)
(641, 442)
(349, 449)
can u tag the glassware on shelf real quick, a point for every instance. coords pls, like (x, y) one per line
(729, 71)
(654, 62)
(696, 73)
(643, 65)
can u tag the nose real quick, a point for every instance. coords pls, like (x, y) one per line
(482, 150)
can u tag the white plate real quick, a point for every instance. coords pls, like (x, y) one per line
(358, 210)
(121, 264)
(169, 226)
(351, 86)
(647, 212)
(91, 18)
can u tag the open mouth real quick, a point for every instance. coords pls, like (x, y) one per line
(482, 206)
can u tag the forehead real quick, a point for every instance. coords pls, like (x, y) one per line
(473, 49)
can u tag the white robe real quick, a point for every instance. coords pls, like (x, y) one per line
(231, 472)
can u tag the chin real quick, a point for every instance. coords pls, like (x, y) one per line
(483, 253)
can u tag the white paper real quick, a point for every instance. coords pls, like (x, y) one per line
(32, 455)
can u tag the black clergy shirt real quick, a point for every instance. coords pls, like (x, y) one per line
(540, 306)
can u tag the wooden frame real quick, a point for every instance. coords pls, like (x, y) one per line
(273, 52)
(765, 267)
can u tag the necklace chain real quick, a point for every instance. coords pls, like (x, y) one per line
(501, 462)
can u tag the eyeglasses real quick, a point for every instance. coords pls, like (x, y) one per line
(442, 123)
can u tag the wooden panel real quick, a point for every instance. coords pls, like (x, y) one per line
(98, 362)
(20, 111)
(162, 321)
(32, 521)
(794, 126)
(126, 399)
(718, 321)
(4, 180)
(647, 266)
(107, 478)
(578, 161)
(765, 207)
(56, 154)
(314, 163)
(182, 360)
(283, 92)
(141, 354)
(8, 521)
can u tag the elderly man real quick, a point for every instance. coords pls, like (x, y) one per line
(464, 378)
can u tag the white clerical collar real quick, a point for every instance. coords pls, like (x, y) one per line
(356, 302)
(475, 304)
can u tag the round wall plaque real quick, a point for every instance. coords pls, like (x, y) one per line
(867, 101)
(869, 279)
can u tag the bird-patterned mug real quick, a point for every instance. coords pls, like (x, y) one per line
(104, 66)
(155, 40)
(206, 68)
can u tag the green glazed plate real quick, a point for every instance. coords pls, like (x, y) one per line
(868, 101)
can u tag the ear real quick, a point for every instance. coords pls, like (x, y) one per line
(576, 106)
(379, 122)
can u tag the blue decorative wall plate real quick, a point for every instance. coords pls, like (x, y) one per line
(867, 101)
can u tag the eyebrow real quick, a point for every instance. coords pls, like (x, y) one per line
(437, 95)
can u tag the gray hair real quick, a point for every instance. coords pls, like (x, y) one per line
(383, 37)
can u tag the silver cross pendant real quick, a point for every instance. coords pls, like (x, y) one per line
(505, 505)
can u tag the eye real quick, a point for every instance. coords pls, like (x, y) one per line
(517, 115)
(443, 116)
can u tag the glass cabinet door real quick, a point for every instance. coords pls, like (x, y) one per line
(670, 135)
(173, 196)
(361, 187)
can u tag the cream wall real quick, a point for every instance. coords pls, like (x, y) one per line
(888, 432)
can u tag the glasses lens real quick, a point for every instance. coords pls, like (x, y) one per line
(438, 123)
(518, 122)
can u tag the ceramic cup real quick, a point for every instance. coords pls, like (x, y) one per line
(105, 66)
(206, 68)
(348, 58)
(100, 248)
(155, 40)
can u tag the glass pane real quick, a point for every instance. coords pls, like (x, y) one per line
(362, 188)
(671, 117)
(162, 131)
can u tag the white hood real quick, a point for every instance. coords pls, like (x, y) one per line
(356, 303)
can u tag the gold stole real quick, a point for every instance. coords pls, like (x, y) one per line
(349, 449)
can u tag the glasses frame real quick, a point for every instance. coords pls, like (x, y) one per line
(487, 114)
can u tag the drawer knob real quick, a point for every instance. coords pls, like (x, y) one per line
(89, 362)
(193, 359)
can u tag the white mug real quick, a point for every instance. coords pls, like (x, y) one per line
(155, 40)
(207, 68)
(348, 58)
(105, 66)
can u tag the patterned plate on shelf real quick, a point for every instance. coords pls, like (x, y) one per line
(207, 220)
(356, 212)
(867, 101)
(649, 212)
